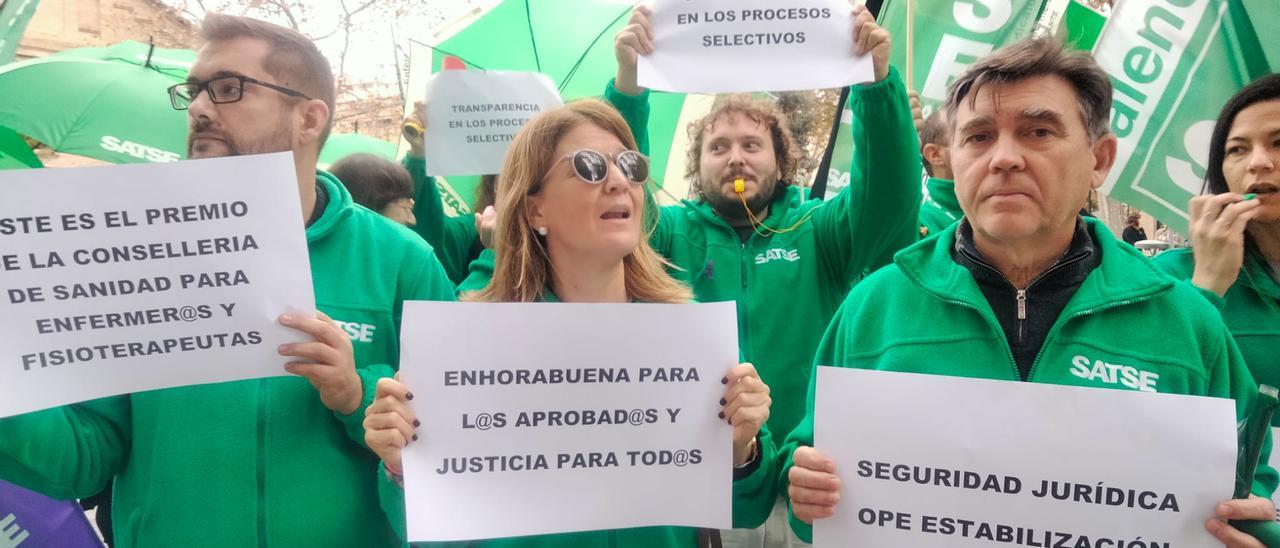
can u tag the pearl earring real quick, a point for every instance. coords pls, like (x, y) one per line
(542, 230)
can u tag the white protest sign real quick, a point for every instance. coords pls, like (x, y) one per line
(728, 46)
(549, 417)
(473, 115)
(138, 277)
(936, 461)
(1275, 463)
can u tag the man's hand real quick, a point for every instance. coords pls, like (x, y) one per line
(745, 405)
(328, 362)
(868, 37)
(1250, 509)
(389, 424)
(815, 489)
(1217, 238)
(632, 41)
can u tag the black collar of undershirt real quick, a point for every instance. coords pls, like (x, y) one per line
(322, 202)
(1070, 270)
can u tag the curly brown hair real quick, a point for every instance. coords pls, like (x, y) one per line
(760, 111)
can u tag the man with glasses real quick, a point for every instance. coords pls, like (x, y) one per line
(270, 462)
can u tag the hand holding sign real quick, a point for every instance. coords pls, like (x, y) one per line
(632, 41)
(1252, 508)
(815, 488)
(746, 407)
(869, 37)
(328, 363)
(390, 424)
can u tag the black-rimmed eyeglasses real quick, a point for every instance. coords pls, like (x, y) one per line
(224, 89)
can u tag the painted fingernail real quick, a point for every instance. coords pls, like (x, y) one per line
(724, 380)
(1250, 196)
(415, 437)
(722, 402)
(408, 395)
(730, 422)
(722, 414)
(416, 423)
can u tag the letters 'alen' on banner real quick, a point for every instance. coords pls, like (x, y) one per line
(129, 278)
(931, 461)
(551, 417)
(472, 116)
(1173, 65)
(950, 35)
(723, 46)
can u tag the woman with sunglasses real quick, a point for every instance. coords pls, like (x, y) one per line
(1235, 228)
(570, 229)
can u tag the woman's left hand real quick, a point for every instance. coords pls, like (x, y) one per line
(745, 406)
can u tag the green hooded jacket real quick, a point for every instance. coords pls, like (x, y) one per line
(1109, 319)
(940, 208)
(1251, 309)
(249, 463)
(454, 239)
(789, 285)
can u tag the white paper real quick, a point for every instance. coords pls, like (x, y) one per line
(439, 338)
(1159, 443)
(729, 46)
(473, 115)
(243, 265)
(1275, 463)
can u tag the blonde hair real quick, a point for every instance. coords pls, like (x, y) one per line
(522, 267)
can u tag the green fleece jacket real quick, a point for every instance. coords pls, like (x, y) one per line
(753, 498)
(788, 285)
(1251, 309)
(940, 208)
(250, 463)
(454, 239)
(1109, 318)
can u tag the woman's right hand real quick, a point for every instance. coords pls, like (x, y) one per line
(389, 424)
(632, 41)
(1217, 238)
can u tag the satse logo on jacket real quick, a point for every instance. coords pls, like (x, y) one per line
(1114, 373)
(789, 255)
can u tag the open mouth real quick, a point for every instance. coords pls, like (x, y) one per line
(1261, 188)
(616, 214)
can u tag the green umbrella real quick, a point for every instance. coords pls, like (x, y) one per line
(340, 145)
(14, 152)
(107, 103)
(570, 41)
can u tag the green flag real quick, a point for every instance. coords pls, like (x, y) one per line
(1081, 26)
(949, 35)
(14, 15)
(1174, 64)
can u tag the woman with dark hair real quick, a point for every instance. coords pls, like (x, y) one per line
(378, 184)
(1235, 227)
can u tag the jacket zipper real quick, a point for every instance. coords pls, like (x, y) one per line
(1021, 295)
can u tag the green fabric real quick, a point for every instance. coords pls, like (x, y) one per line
(455, 239)
(940, 208)
(102, 103)
(14, 152)
(1081, 26)
(1163, 113)
(753, 498)
(341, 145)
(1251, 310)
(249, 463)
(1126, 312)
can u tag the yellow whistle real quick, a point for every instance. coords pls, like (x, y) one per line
(739, 185)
